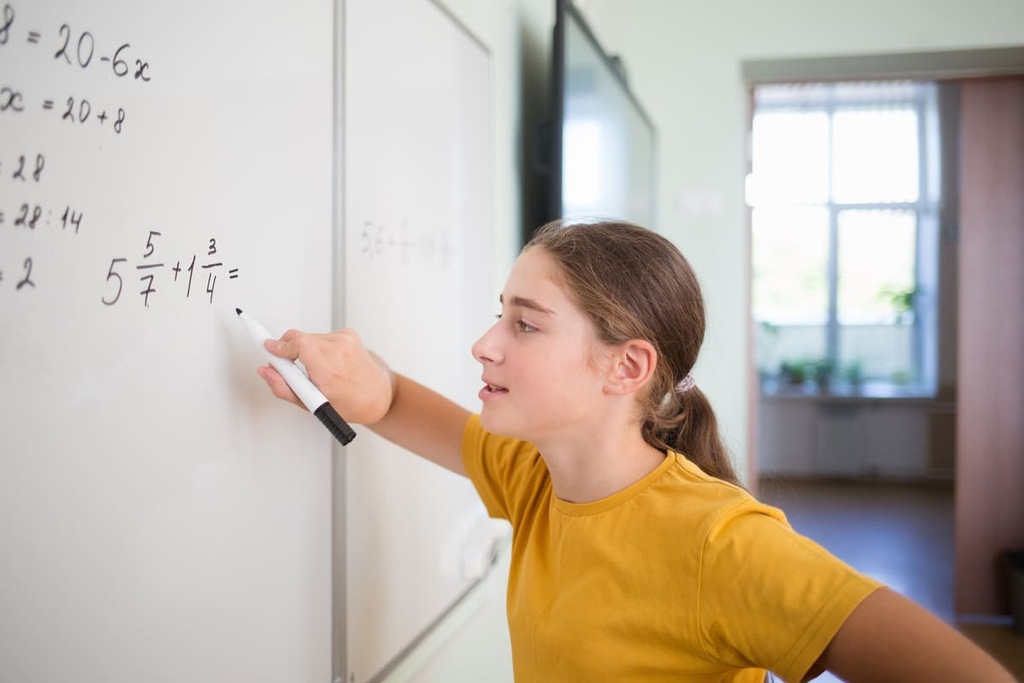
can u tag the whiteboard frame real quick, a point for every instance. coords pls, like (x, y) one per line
(339, 556)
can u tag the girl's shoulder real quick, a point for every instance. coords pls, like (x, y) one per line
(715, 500)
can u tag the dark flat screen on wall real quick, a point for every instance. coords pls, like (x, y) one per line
(603, 143)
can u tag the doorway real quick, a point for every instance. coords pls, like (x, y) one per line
(806, 432)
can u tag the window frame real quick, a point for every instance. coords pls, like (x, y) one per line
(923, 101)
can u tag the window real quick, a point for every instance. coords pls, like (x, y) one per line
(844, 204)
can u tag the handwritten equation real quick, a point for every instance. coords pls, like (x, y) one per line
(73, 111)
(26, 168)
(378, 241)
(74, 49)
(32, 221)
(23, 277)
(192, 275)
(151, 269)
(32, 216)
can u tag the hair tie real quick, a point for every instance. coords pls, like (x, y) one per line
(686, 383)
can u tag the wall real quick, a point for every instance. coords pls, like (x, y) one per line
(684, 62)
(808, 436)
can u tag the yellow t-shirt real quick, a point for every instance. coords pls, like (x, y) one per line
(679, 577)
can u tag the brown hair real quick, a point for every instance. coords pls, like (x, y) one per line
(634, 284)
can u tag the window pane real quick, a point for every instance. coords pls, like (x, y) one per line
(790, 254)
(875, 292)
(798, 345)
(875, 155)
(876, 264)
(790, 158)
(790, 258)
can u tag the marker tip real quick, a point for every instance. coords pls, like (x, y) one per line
(238, 311)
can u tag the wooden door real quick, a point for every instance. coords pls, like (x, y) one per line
(990, 377)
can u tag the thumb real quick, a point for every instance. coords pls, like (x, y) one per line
(285, 347)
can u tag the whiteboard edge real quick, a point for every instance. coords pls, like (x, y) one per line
(339, 558)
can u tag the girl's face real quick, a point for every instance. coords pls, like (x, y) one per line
(542, 368)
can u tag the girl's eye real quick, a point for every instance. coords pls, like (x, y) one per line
(521, 325)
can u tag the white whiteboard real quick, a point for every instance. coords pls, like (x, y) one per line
(162, 517)
(417, 206)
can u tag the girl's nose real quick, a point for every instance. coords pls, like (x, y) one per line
(485, 349)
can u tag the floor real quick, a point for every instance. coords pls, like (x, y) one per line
(901, 534)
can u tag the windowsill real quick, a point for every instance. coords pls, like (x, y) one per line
(843, 391)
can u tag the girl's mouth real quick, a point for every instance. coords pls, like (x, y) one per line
(492, 390)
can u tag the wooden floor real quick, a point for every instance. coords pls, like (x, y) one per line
(901, 534)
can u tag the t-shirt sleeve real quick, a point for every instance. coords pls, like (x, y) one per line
(508, 473)
(770, 597)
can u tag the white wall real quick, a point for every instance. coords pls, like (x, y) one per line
(810, 436)
(684, 60)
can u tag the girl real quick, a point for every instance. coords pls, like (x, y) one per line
(636, 555)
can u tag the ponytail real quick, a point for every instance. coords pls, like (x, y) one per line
(691, 429)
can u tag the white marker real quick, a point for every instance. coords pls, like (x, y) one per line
(307, 392)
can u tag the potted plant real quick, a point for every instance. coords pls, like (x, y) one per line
(822, 371)
(901, 300)
(854, 374)
(793, 372)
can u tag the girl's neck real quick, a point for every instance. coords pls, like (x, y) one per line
(584, 474)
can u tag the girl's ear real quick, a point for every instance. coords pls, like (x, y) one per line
(632, 366)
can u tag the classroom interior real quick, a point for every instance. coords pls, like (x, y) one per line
(182, 524)
(920, 520)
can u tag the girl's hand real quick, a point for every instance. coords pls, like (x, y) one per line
(356, 382)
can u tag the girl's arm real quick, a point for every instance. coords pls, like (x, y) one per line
(890, 638)
(426, 423)
(363, 390)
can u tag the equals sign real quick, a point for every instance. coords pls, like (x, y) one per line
(47, 104)
(33, 37)
(232, 274)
